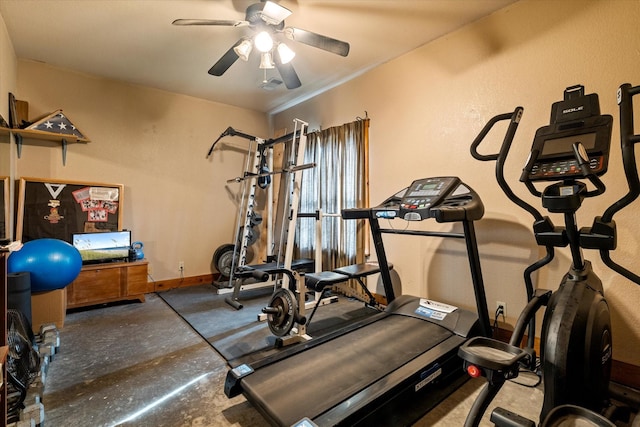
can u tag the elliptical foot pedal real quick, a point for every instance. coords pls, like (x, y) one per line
(503, 418)
(491, 354)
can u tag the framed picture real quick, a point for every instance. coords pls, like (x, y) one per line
(4, 211)
(13, 114)
(57, 209)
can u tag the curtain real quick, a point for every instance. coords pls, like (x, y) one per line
(339, 181)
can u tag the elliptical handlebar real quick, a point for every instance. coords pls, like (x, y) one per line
(500, 159)
(501, 156)
(487, 128)
(627, 141)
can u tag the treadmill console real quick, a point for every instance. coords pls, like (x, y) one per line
(423, 194)
(390, 208)
(576, 119)
(445, 199)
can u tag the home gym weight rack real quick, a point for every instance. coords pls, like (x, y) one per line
(230, 258)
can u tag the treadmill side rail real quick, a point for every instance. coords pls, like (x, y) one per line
(232, 386)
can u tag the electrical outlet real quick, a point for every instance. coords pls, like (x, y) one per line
(504, 307)
(181, 266)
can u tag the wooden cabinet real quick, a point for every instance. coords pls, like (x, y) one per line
(102, 283)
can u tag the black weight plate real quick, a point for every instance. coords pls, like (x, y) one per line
(252, 235)
(218, 252)
(250, 254)
(282, 323)
(256, 219)
(225, 261)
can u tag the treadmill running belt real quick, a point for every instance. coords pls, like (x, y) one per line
(311, 382)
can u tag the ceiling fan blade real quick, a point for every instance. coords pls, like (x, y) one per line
(288, 74)
(223, 22)
(317, 40)
(226, 61)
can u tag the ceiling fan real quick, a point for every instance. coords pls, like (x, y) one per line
(266, 19)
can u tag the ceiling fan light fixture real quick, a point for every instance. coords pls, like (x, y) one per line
(285, 53)
(243, 49)
(266, 19)
(266, 61)
(263, 42)
(273, 13)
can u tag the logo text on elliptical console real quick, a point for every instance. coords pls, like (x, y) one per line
(573, 110)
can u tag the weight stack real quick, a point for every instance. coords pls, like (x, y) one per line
(19, 293)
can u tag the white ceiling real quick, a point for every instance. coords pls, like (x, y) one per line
(133, 41)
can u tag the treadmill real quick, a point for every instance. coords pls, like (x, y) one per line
(394, 366)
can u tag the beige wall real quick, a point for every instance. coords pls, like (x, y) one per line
(155, 143)
(8, 69)
(427, 106)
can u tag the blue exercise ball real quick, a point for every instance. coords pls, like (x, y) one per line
(53, 263)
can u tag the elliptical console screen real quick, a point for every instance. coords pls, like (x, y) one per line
(576, 119)
(424, 194)
(565, 145)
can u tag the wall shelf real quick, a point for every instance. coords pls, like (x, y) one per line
(22, 134)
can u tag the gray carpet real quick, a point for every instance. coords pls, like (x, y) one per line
(237, 334)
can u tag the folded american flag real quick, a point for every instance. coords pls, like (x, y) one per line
(56, 122)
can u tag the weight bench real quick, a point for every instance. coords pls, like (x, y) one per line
(300, 265)
(322, 281)
(358, 271)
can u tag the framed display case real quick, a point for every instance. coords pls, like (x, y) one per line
(57, 208)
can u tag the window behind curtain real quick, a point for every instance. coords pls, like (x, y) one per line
(338, 181)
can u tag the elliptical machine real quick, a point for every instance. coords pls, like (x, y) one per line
(576, 344)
